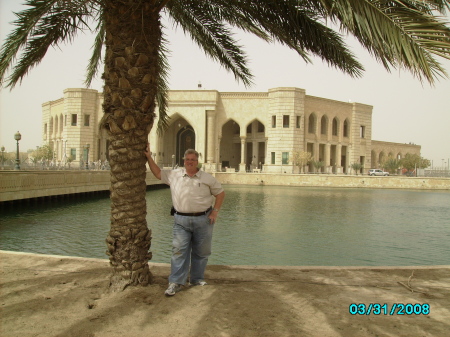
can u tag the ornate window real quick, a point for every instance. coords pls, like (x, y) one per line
(345, 131)
(312, 124)
(334, 127)
(323, 125)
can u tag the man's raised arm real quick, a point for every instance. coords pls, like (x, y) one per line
(151, 163)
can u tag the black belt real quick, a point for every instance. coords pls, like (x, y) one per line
(194, 214)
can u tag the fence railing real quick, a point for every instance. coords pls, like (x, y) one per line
(443, 173)
(55, 166)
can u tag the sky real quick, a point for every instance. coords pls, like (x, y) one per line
(404, 109)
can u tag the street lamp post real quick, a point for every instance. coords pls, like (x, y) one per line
(87, 156)
(3, 158)
(17, 137)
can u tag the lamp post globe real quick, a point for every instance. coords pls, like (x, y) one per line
(17, 137)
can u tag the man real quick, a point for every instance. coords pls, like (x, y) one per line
(193, 193)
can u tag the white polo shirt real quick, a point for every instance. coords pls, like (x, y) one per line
(191, 194)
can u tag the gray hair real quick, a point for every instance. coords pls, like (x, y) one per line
(191, 151)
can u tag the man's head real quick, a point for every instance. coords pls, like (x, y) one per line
(190, 159)
(191, 151)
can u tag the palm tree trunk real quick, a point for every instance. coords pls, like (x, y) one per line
(133, 36)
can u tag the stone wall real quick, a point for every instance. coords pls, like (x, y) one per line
(381, 151)
(25, 185)
(229, 129)
(331, 180)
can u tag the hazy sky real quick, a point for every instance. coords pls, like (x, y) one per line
(404, 110)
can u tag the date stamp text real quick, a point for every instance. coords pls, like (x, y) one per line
(389, 309)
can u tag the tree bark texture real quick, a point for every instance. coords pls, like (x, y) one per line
(133, 37)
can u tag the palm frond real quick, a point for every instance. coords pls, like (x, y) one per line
(302, 29)
(397, 33)
(95, 59)
(196, 18)
(161, 82)
(292, 23)
(237, 15)
(44, 24)
(432, 6)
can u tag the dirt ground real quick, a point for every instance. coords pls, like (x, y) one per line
(43, 295)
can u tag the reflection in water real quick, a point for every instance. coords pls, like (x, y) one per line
(261, 225)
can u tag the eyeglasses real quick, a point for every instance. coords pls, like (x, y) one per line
(191, 160)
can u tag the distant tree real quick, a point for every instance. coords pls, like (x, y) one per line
(33, 160)
(391, 165)
(356, 167)
(424, 163)
(4, 156)
(43, 153)
(301, 159)
(412, 161)
(317, 165)
(70, 159)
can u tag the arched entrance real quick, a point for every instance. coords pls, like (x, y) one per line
(185, 141)
(230, 145)
(176, 139)
(255, 151)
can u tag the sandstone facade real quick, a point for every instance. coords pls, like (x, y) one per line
(232, 131)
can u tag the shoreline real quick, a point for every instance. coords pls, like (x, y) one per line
(239, 266)
(52, 295)
(29, 185)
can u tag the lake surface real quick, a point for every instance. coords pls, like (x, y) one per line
(260, 225)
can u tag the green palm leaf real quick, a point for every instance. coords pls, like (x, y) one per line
(44, 24)
(397, 33)
(95, 60)
(196, 19)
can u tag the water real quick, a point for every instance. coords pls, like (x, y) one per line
(261, 225)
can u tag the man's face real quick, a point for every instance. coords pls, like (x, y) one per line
(190, 161)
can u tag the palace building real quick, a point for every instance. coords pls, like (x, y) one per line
(232, 131)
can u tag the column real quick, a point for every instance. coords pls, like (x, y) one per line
(65, 155)
(242, 164)
(327, 158)
(347, 158)
(158, 151)
(255, 154)
(338, 158)
(316, 149)
(219, 160)
(210, 136)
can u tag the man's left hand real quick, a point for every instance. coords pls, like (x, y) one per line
(213, 217)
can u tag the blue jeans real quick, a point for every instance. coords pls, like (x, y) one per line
(191, 247)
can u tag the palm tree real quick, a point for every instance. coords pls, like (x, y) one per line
(317, 165)
(401, 33)
(356, 167)
(391, 165)
(301, 159)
